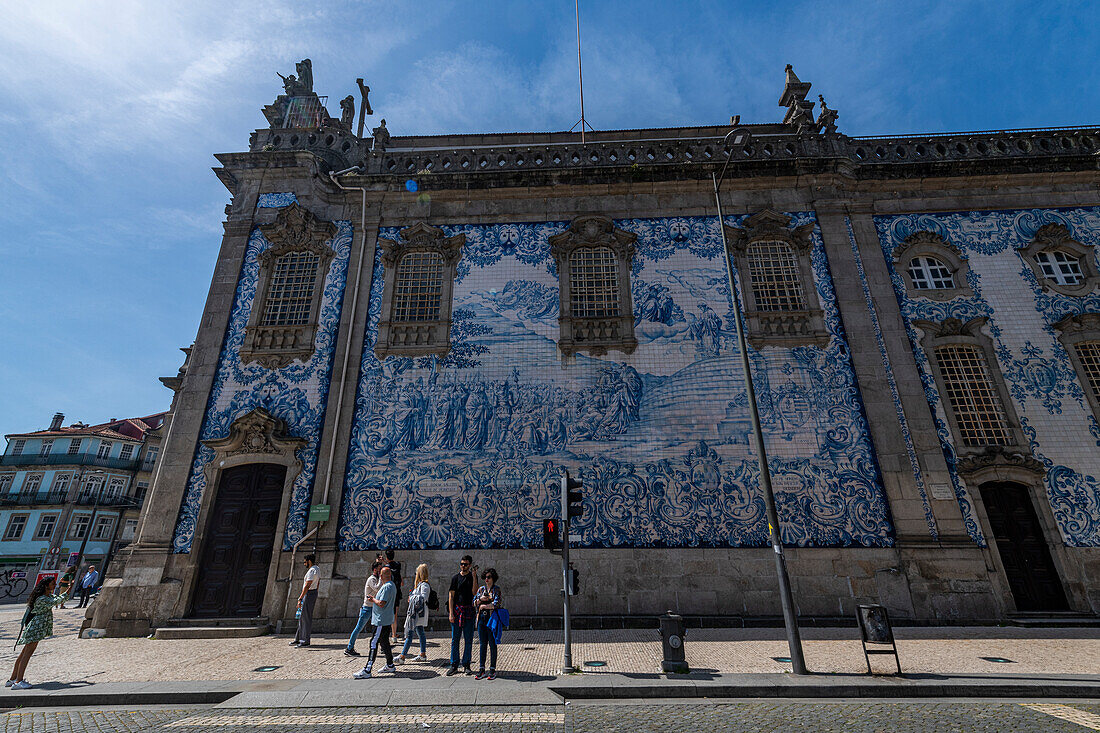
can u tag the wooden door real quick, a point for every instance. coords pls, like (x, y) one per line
(1023, 549)
(237, 550)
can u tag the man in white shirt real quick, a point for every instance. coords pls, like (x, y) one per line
(374, 582)
(307, 599)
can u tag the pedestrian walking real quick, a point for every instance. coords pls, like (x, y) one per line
(374, 582)
(488, 601)
(37, 625)
(307, 599)
(382, 604)
(69, 580)
(87, 585)
(395, 568)
(460, 610)
(416, 619)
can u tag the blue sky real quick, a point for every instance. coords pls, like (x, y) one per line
(111, 218)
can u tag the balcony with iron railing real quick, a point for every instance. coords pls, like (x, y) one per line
(34, 498)
(75, 459)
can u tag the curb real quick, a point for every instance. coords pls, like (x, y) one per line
(904, 690)
(92, 699)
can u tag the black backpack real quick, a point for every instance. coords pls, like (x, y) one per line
(433, 600)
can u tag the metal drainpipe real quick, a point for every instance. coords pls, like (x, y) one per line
(343, 376)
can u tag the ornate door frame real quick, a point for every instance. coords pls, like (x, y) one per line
(255, 437)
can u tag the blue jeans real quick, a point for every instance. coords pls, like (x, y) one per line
(466, 631)
(423, 642)
(364, 619)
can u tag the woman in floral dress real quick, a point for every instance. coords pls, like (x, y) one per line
(41, 605)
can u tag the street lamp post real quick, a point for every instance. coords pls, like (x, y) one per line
(790, 621)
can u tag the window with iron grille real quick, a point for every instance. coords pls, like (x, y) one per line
(90, 488)
(774, 276)
(418, 287)
(1088, 353)
(1060, 267)
(46, 525)
(47, 447)
(291, 290)
(17, 447)
(61, 482)
(16, 524)
(74, 446)
(115, 487)
(593, 283)
(928, 273)
(979, 413)
(31, 483)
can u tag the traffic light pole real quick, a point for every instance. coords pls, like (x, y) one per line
(567, 661)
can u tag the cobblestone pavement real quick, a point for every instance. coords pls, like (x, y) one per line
(537, 654)
(755, 716)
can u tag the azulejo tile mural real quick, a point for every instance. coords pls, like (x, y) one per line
(1046, 392)
(296, 393)
(467, 451)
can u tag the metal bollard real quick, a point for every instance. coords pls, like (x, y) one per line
(672, 643)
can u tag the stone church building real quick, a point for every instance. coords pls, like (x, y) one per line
(422, 343)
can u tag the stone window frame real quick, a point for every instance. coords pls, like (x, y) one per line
(953, 331)
(295, 230)
(8, 537)
(418, 338)
(778, 327)
(1058, 237)
(7, 480)
(595, 335)
(103, 520)
(38, 536)
(1071, 331)
(930, 244)
(74, 524)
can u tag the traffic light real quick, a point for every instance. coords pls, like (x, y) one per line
(550, 538)
(574, 582)
(574, 501)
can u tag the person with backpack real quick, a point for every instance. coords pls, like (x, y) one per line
(487, 600)
(420, 601)
(395, 569)
(37, 625)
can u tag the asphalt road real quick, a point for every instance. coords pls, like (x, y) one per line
(841, 716)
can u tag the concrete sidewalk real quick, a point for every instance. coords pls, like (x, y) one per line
(410, 690)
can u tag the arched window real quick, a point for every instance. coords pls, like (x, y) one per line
(979, 412)
(1061, 263)
(283, 322)
(417, 287)
(1061, 268)
(929, 273)
(418, 290)
(292, 289)
(594, 282)
(773, 273)
(595, 309)
(1080, 335)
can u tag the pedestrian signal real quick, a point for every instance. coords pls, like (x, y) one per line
(550, 538)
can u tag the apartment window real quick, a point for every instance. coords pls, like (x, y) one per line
(283, 322)
(104, 528)
(61, 482)
(141, 490)
(1061, 263)
(78, 526)
(979, 413)
(31, 483)
(47, 447)
(774, 277)
(115, 487)
(593, 258)
(129, 529)
(17, 447)
(151, 455)
(104, 449)
(928, 273)
(416, 296)
(1060, 267)
(781, 302)
(46, 525)
(16, 524)
(6, 480)
(127, 452)
(74, 446)
(90, 488)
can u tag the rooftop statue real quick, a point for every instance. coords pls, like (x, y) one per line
(347, 111)
(381, 137)
(301, 85)
(826, 120)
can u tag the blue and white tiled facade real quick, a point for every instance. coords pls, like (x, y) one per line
(296, 393)
(1046, 392)
(467, 452)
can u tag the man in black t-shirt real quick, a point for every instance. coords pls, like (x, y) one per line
(395, 569)
(460, 610)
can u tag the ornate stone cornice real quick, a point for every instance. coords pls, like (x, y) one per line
(1051, 235)
(1078, 323)
(257, 432)
(297, 229)
(421, 237)
(993, 459)
(593, 230)
(926, 239)
(770, 225)
(952, 327)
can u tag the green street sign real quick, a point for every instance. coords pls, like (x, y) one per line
(319, 513)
